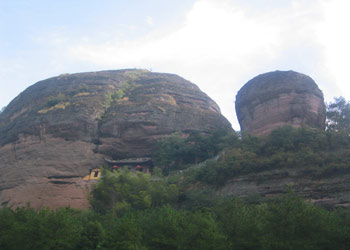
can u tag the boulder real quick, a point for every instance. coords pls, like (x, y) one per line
(280, 98)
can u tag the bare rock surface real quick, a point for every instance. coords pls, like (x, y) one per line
(55, 131)
(279, 98)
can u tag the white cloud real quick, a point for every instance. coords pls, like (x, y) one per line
(149, 20)
(334, 35)
(216, 44)
(223, 44)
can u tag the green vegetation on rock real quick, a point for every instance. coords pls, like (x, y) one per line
(54, 100)
(316, 153)
(179, 151)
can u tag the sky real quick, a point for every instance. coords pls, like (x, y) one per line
(217, 44)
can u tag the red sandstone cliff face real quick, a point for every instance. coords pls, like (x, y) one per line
(46, 171)
(54, 132)
(279, 98)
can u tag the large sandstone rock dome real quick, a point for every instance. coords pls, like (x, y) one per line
(55, 131)
(279, 98)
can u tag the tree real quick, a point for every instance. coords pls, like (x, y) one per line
(123, 191)
(123, 233)
(338, 116)
(178, 150)
(292, 223)
(169, 228)
(25, 228)
(241, 223)
(172, 151)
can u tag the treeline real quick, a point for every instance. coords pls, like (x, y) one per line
(150, 221)
(315, 153)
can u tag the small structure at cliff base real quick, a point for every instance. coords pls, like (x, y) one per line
(277, 99)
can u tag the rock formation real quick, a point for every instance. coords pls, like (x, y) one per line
(55, 131)
(279, 98)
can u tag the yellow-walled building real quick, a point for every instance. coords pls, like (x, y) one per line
(95, 174)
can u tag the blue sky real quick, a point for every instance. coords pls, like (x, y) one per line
(217, 44)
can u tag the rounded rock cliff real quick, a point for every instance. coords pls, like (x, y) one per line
(58, 129)
(280, 98)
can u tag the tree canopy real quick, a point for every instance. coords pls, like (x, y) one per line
(285, 223)
(338, 115)
(121, 191)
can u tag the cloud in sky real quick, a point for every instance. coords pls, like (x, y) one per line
(221, 44)
(216, 47)
(334, 35)
(149, 20)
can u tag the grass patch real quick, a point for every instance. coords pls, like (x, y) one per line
(82, 94)
(62, 105)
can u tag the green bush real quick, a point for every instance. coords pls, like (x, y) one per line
(53, 100)
(118, 94)
(121, 191)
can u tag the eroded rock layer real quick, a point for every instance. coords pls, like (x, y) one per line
(279, 98)
(55, 131)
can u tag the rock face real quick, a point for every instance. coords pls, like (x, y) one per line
(280, 98)
(55, 131)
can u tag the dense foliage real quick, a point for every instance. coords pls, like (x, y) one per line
(178, 151)
(122, 191)
(315, 153)
(287, 223)
(338, 116)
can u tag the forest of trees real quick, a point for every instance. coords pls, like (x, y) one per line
(159, 211)
(150, 219)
